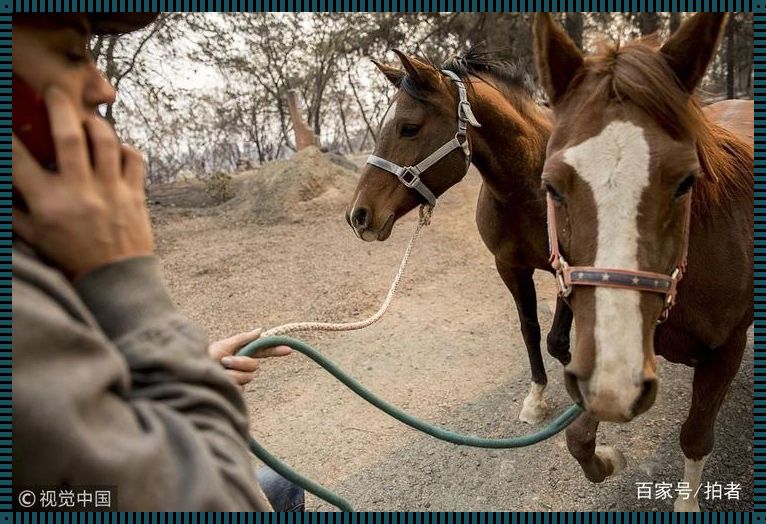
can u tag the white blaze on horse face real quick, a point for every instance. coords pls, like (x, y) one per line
(615, 164)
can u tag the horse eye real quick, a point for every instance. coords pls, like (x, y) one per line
(410, 130)
(555, 195)
(685, 186)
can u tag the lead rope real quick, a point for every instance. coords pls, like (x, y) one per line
(425, 220)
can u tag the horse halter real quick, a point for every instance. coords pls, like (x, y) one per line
(569, 276)
(410, 175)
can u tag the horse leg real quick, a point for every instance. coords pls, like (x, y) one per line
(558, 338)
(711, 383)
(522, 287)
(597, 462)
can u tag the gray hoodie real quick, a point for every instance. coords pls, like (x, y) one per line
(113, 386)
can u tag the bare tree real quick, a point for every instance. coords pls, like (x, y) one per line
(675, 22)
(236, 112)
(573, 22)
(648, 23)
(104, 48)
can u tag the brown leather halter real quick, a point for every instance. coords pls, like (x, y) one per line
(569, 276)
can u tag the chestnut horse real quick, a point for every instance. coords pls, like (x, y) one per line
(504, 132)
(650, 188)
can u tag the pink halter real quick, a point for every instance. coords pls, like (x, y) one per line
(568, 276)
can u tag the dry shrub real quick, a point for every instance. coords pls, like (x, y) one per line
(219, 187)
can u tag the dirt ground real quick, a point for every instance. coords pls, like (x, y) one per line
(449, 350)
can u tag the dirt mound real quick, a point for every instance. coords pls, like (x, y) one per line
(292, 190)
(181, 194)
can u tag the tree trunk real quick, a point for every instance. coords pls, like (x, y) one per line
(574, 26)
(283, 125)
(359, 103)
(648, 23)
(730, 57)
(304, 136)
(675, 22)
(110, 70)
(104, 48)
(744, 54)
(364, 140)
(345, 126)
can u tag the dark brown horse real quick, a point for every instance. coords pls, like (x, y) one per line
(508, 149)
(641, 175)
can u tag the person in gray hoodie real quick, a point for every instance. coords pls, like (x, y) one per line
(112, 385)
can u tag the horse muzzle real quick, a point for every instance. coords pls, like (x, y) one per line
(361, 221)
(621, 404)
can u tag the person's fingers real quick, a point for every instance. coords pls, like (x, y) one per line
(106, 148)
(275, 351)
(28, 177)
(133, 167)
(247, 364)
(235, 342)
(240, 377)
(22, 225)
(68, 134)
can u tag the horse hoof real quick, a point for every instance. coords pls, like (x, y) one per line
(612, 458)
(534, 409)
(690, 505)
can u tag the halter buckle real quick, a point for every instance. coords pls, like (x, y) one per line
(465, 113)
(564, 289)
(409, 177)
(463, 107)
(465, 145)
(670, 297)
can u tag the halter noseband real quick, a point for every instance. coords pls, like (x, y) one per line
(568, 276)
(410, 175)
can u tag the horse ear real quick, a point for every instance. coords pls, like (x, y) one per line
(421, 73)
(393, 74)
(691, 48)
(556, 55)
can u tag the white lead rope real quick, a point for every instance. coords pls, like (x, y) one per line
(425, 219)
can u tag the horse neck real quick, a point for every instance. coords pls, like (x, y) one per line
(509, 147)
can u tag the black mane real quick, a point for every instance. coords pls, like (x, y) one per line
(476, 62)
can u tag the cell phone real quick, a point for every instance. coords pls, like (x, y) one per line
(31, 124)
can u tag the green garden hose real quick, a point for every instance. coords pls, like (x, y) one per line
(557, 425)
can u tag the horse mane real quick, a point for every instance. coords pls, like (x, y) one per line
(635, 72)
(476, 61)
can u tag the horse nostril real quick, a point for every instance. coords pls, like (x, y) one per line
(360, 218)
(646, 399)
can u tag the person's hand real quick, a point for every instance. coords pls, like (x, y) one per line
(241, 370)
(87, 215)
